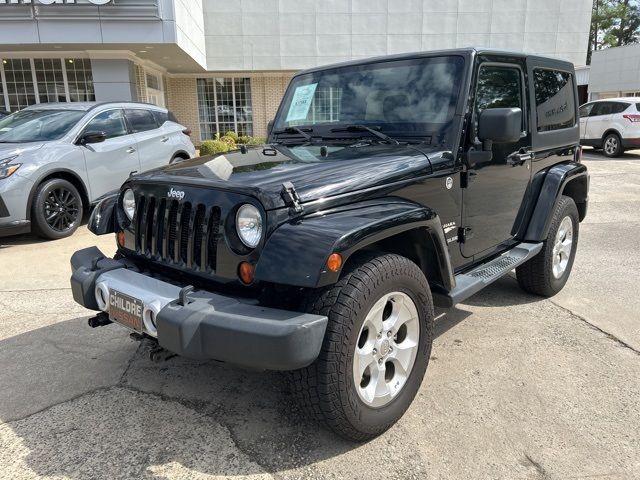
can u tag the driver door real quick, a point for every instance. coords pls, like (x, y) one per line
(109, 163)
(496, 189)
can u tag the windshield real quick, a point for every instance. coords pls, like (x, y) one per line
(414, 97)
(37, 125)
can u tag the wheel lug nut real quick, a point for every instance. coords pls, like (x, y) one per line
(389, 333)
(380, 361)
(375, 351)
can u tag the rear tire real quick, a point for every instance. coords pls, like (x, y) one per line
(612, 145)
(359, 406)
(57, 209)
(548, 272)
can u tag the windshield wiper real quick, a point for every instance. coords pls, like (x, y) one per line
(297, 130)
(364, 128)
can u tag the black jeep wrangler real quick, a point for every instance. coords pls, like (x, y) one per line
(387, 185)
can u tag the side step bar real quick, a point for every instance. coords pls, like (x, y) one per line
(475, 280)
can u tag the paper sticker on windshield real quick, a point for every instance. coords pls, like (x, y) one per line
(301, 102)
(6, 129)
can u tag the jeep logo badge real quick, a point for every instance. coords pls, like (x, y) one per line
(179, 194)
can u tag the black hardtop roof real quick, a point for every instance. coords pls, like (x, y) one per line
(466, 51)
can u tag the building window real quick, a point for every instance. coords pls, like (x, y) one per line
(27, 81)
(155, 89)
(80, 80)
(50, 79)
(224, 104)
(19, 80)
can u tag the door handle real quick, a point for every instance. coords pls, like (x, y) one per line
(519, 158)
(164, 139)
(131, 150)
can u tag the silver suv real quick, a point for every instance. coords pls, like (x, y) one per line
(57, 159)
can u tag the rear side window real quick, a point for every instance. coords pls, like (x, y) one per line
(555, 101)
(619, 107)
(161, 117)
(140, 120)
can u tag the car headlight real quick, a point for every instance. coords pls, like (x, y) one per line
(7, 170)
(249, 225)
(129, 203)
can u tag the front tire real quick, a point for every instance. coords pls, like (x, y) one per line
(56, 210)
(548, 272)
(612, 145)
(376, 347)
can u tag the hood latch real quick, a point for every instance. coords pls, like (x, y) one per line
(291, 198)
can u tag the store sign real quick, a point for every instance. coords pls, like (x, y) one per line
(51, 2)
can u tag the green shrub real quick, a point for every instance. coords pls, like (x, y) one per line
(211, 147)
(229, 141)
(257, 140)
(232, 134)
(244, 139)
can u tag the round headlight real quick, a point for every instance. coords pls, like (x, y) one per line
(129, 203)
(249, 225)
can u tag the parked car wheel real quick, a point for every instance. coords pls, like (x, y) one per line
(376, 347)
(57, 209)
(612, 145)
(547, 272)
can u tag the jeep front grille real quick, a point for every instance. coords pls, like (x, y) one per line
(179, 233)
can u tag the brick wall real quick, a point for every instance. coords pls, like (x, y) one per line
(266, 93)
(182, 96)
(141, 84)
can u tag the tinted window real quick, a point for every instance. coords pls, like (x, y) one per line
(38, 125)
(140, 120)
(555, 103)
(499, 87)
(110, 122)
(161, 117)
(585, 110)
(618, 107)
(601, 108)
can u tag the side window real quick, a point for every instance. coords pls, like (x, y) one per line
(161, 117)
(585, 110)
(499, 87)
(140, 120)
(619, 107)
(601, 108)
(555, 102)
(110, 122)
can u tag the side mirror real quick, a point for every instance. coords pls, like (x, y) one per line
(500, 125)
(92, 137)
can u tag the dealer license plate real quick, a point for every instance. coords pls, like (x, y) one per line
(126, 310)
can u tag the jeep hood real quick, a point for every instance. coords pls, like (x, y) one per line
(261, 171)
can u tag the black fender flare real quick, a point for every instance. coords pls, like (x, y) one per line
(555, 182)
(103, 217)
(296, 253)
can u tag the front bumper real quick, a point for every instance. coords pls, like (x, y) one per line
(206, 325)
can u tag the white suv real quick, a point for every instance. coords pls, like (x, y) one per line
(612, 124)
(57, 159)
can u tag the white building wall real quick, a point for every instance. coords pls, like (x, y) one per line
(615, 71)
(189, 27)
(294, 34)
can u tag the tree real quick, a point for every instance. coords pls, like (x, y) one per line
(613, 23)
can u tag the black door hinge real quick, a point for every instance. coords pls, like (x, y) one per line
(464, 234)
(291, 198)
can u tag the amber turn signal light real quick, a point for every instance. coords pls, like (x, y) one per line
(245, 272)
(334, 262)
(120, 238)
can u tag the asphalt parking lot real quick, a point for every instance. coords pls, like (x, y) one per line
(517, 387)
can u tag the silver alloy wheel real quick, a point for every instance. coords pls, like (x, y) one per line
(562, 247)
(386, 349)
(611, 145)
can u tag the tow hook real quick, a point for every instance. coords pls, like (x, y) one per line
(100, 320)
(149, 347)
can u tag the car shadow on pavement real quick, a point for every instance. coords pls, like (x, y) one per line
(152, 420)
